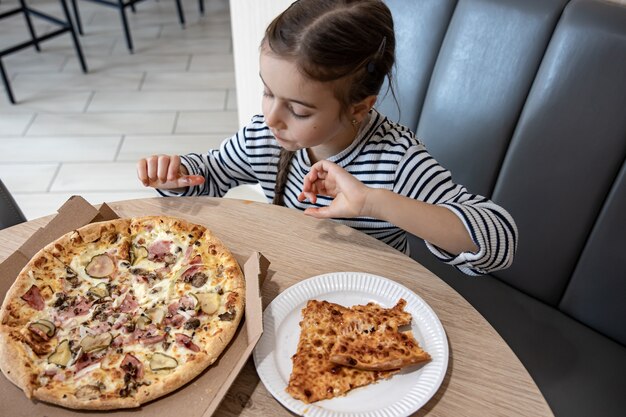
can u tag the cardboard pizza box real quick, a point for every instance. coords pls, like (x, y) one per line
(198, 398)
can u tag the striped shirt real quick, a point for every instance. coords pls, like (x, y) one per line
(383, 155)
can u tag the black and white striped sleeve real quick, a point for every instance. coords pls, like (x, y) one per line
(492, 228)
(222, 168)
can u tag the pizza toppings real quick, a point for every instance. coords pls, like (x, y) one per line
(132, 366)
(99, 291)
(160, 251)
(112, 343)
(156, 315)
(209, 302)
(92, 343)
(33, 298)
(100, 266)
(129, 304)
(44, 329)
(62, 354)
(137, 254)
(184, 340)
(161, 361)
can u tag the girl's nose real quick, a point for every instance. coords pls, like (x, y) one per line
(272, 117)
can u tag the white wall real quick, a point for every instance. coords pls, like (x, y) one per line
(249, 18)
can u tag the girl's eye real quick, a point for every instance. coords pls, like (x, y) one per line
(297, 115)
(266, 94)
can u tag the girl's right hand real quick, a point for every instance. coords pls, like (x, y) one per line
(165, 172)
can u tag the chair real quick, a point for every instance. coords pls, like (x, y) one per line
(64, 26)
(10, 213)
(121, 5)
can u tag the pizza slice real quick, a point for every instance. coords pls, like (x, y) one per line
(370, 339)
(94, 254)
(314, 377)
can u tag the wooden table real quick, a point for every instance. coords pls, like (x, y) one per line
(484, 377)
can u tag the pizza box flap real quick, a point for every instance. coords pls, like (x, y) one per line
(198, 398)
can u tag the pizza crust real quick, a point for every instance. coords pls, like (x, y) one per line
(12, 363)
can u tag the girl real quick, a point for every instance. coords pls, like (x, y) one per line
(322, 63)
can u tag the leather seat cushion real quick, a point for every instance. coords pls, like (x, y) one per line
(579, 371)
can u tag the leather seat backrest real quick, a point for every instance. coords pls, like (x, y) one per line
(525, 105)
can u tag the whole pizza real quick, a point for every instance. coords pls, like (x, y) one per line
(118, 313)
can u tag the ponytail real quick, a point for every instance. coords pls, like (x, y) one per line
(282, 172)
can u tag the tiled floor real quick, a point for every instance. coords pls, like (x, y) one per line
(75, 133)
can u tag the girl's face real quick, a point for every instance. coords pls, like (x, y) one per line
(303, 113)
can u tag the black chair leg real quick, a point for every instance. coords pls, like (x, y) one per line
(201, 4)
(181, 13)
(129, 41)
(132, 6)
(79, 24)
(5, 80)
(29, 23)
(77, 47)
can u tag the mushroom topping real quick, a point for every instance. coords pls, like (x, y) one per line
(197, 280)
(161, 361)
(92, 343)
(99, 291)
(228, 316)
(100, 266)
(88, 392)
(61, 355)
(209, 302)
(192, 324)
(71, 277)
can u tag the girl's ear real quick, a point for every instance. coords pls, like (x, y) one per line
(358, 111)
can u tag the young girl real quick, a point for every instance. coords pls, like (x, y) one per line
(321, 147)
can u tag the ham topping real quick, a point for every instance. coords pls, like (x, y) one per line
(160, 251)
(153, 339)
(132, 366)
(129, 304)
(85, 360)
(33, 298)
(184, 340)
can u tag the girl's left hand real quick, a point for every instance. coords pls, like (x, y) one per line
(329, 179)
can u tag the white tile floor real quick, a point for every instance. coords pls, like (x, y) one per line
(74, 133)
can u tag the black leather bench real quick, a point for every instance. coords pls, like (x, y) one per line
(525, 102)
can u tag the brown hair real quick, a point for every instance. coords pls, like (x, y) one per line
(348, 42)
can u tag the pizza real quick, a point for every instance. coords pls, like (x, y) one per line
(344, 348)
(118, 313)
(371, 339)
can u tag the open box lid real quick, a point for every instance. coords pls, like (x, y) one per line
(201, 396)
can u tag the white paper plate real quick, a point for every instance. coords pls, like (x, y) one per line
(402, 395)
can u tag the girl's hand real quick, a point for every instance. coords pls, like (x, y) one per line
(329, 179)
(165, 172)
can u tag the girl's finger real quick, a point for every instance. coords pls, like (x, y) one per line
(142, 172)
(152, 163)
(163, 166)
(319, 212)
(173, 171)
(190, 180)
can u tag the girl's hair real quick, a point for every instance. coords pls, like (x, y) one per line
(349, 43)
